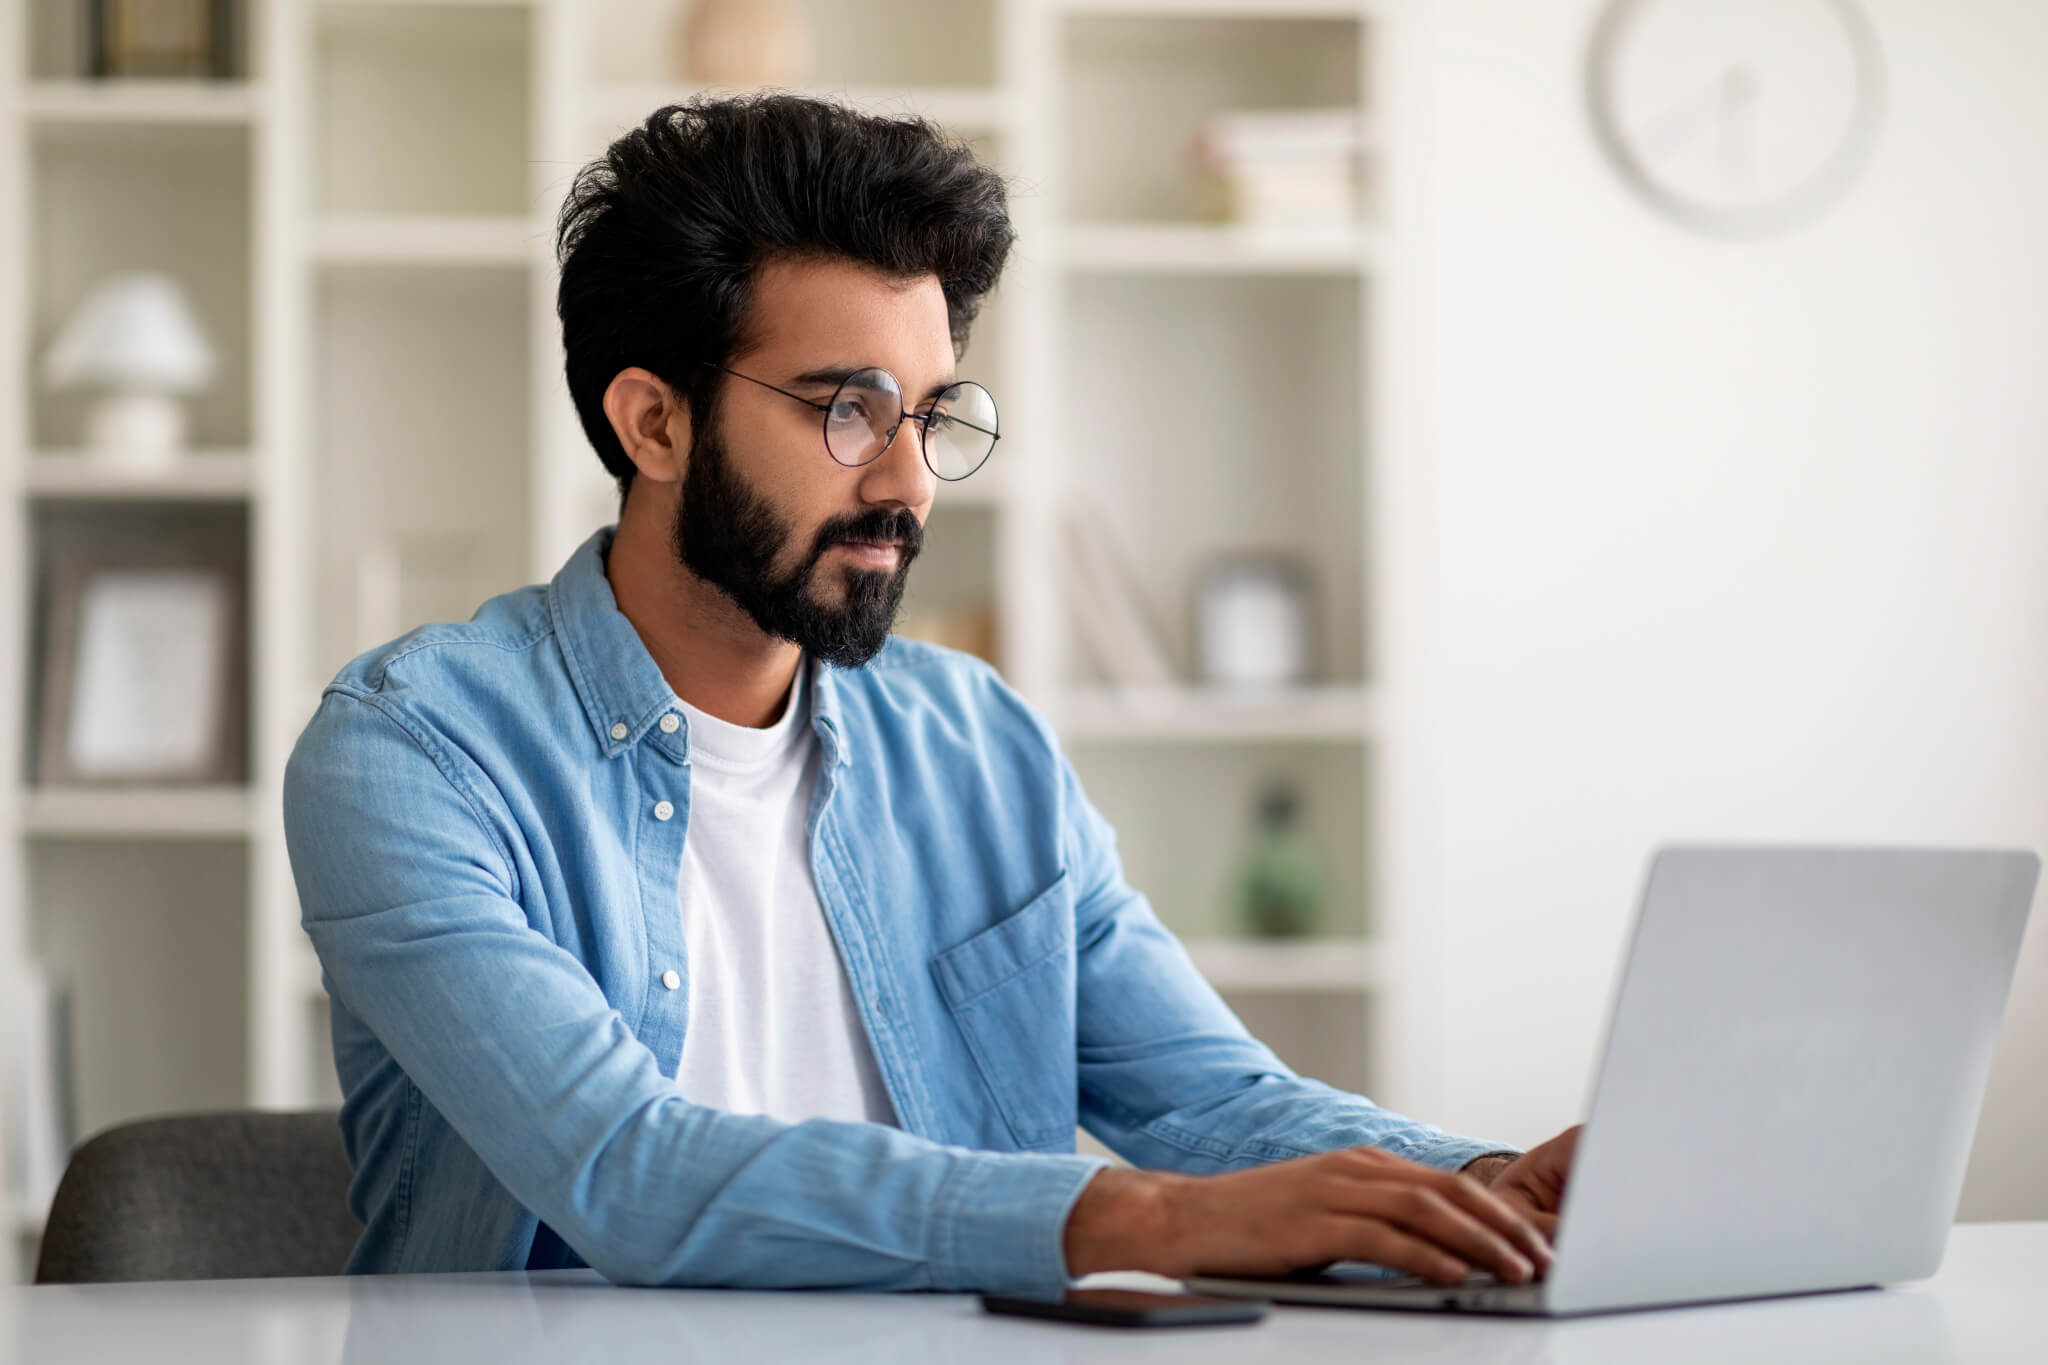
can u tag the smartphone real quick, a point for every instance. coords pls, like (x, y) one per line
(1130, 1308)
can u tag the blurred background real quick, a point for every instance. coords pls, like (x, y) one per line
(1450, 448)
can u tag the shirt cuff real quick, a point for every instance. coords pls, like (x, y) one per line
(1001, 1221)
(1455, 1154)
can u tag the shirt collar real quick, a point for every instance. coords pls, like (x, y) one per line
(621, 687)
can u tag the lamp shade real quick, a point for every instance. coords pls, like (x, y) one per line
(132, 332)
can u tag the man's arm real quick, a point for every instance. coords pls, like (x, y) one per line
(1284, 1172)
(412, 902)
(1355, 1204)
(1169, 1077)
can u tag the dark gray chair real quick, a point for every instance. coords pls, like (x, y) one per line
(236, 1195)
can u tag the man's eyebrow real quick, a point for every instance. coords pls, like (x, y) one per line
(834, 376)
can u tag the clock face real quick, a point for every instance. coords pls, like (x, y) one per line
(1739, 117)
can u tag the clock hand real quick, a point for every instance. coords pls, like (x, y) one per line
(1681, 123)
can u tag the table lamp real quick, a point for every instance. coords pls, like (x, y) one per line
(134, 339)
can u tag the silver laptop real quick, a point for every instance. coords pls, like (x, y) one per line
(1791, 1081)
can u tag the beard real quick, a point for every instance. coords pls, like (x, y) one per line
(729, 535)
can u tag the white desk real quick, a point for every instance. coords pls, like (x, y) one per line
(1989, 1303)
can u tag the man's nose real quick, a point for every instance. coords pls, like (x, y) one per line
(899, 473)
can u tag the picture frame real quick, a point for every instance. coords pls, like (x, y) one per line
(144, 666)
(159, 39)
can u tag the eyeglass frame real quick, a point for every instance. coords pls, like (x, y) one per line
(923, 419)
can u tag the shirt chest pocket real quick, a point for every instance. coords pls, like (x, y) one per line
(1010, 990)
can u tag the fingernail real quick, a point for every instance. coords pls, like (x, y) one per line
(1523, 1271)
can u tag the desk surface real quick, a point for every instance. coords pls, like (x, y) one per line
(1987, 1304)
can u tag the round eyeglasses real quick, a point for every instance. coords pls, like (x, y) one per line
(957, 432)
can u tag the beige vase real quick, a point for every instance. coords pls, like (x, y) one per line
(743, 42)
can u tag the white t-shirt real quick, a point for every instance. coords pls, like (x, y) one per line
(772, 1028)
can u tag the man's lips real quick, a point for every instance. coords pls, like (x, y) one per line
(880, 553)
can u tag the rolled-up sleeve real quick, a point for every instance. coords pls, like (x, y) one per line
(410, 895)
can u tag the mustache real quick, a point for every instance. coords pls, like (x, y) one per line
(899, 527)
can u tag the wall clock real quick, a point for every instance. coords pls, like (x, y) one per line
(1738, 118)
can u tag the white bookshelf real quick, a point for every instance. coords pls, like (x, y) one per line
(966, 110)
(201, 476)
(1187, 248)
(1199, 716)
(81, 100)
(148, 813)
(378, 190)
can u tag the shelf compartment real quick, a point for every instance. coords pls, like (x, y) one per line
(109, 198)
(1171, 715)
(421, 109)
(204, 812)
(1287, 965)
(1185, 816)
(422, 450)
(152, 936)
(71, 539)
(203, 475)
(59, 41)
(882, 43)
(1181, 70)
(1222, 413)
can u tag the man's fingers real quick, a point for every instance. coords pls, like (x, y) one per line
(1383, 1244)
(1425, 1213)
(1503, 1220)
(1509, 1217)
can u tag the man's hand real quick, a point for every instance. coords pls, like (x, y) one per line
(1358, 1203)
(1534, 1185)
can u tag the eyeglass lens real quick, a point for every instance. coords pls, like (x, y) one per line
(959, 426)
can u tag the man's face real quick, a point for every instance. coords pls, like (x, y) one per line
(817, 553)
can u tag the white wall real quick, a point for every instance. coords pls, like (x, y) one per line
(1722, 541)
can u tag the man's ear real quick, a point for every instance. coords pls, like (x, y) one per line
(651, 421)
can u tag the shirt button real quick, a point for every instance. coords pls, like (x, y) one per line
(670, 979)
(663, 810)
(619, 730)
(671, 723)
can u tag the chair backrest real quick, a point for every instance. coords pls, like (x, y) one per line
(235, 1195)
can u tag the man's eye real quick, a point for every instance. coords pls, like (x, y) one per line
(848, 410)
(937, 420)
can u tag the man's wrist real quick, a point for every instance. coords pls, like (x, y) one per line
(1120, 1222)
(1487, 1166)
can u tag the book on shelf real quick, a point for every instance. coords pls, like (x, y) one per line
(40, 1110)
(1107, 612)
(1283, 168)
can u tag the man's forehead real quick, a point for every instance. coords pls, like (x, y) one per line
(815, 314)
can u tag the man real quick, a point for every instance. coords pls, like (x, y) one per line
(681, 923)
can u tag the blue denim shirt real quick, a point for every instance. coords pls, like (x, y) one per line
(486, 824)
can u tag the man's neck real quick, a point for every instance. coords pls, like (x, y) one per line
(713, 654)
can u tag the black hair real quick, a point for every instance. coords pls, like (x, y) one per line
(660, 239)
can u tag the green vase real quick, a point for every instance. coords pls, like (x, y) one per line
(1281, 891)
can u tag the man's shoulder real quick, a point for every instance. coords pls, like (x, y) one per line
(913, 679)
(919, 667)
(496, 645)
(912, 659)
